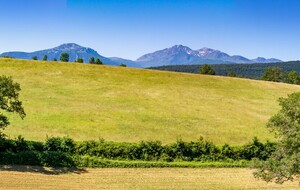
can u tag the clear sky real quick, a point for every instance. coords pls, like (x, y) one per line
(131, 28)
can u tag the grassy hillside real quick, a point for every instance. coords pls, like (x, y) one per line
(122, 104)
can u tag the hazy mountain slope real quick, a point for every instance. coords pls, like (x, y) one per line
(179, 54)
(75, 51)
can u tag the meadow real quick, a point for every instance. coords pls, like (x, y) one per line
(120, 104)
(28, 177)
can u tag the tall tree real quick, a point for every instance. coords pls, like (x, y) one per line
(92, 60)
(64, 57)
(293, 77)
(231, 74)
(98, 62)
(45, 58)
(9, 100)
(274, 74)
(284, 163)
(79, 60)
(207, 70)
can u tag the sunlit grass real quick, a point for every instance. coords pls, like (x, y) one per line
(22, 177)
(122, 104)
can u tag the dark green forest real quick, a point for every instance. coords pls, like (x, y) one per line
(253, 71)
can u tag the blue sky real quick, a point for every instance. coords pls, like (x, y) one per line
(131, 28)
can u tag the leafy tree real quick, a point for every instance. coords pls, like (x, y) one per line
(35, 58)
(54, 59)
(231, 74)
(98, 62)
(274, 74)
(293, 77)
(92, 60)
(45, 58)
(207, 70)
(79, 60)
(9, 100)
(64, 57)
(123, 65)
(284, 163)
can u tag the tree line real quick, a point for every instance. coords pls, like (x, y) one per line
(253, 71)
(275, 74)
(64, 57)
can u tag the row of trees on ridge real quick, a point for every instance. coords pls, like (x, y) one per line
(65, 57)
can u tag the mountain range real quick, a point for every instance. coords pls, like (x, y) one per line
(180, 55)
(176, 55)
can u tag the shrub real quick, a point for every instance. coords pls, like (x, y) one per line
(64, 144)
(56, 159)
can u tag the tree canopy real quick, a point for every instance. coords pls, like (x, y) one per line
(274, 74)
(79, 60)
(35, 58)
(253, 71)
(92, 60)
(231, 74)
(284, 163)
(293, 77)
(45, 58)
(207, 70)
(98, 62)
(64, 57)
(9, 100)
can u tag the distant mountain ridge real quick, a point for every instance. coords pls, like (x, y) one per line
(176, 55)
(74, 50)
(180, 54)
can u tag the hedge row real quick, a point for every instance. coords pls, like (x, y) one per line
(57, 151)
(200, 150)
(62, 159)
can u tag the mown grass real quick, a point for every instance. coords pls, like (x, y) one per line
(95, 162)
(122, 104)
(26, 177)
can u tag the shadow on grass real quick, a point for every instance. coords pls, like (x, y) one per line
(42, 170)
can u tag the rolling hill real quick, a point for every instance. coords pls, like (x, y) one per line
(123, 104)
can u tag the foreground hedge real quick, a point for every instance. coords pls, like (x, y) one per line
(57, 152)
(95, 162)
(61, 159)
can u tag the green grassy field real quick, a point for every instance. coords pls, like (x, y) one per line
(123, 104)
(27, 177)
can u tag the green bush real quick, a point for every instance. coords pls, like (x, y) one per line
(20, 158)
(64, 144)
(64, 152)
(56, 159)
